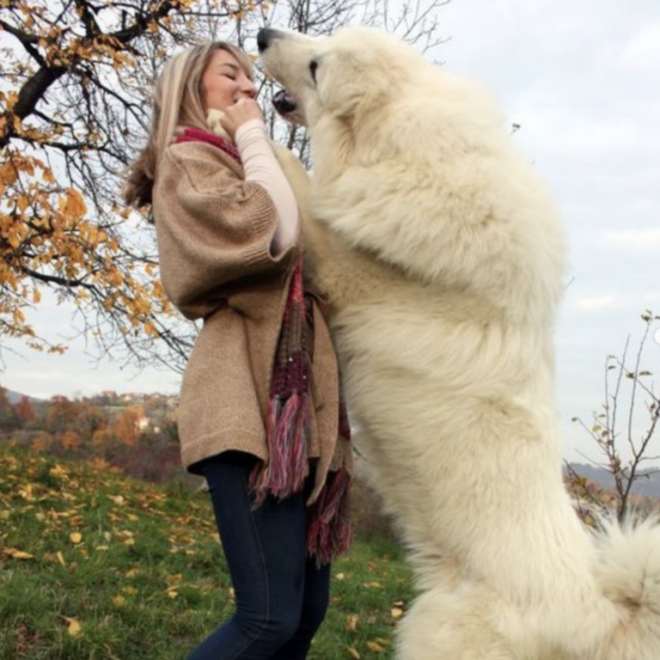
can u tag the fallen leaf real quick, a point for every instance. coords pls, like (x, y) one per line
(353, 652)
(351, 622)
(73, 626)
(375, 646)
(60, 558)
(17, 554)
(57, 471)
(396, 612)
(118, 601)
(75, 537)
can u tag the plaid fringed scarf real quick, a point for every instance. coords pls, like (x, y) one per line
(287, 421)
(329, 531)
(287, 430)
(289, 412)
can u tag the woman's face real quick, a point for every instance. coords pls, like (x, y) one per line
(224, 82)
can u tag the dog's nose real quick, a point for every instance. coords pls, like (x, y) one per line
(264, 37)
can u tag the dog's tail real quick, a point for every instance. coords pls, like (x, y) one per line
(628, 572)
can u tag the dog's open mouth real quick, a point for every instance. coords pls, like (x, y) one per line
(284, 103)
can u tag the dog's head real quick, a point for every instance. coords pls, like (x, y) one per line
(345, 76)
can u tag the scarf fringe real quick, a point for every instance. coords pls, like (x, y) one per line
(329, 532)
(286, 469)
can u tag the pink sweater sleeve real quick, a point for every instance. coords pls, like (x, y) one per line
(260, 166)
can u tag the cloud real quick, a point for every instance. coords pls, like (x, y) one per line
(595, 303)
(643, 51)
(639, 241)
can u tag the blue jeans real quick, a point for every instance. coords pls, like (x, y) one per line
(281, 594)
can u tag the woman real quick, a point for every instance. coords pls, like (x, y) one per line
(259, 409)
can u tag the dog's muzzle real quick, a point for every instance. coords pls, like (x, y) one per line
(284, 103)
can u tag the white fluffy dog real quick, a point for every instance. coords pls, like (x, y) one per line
(442, 257)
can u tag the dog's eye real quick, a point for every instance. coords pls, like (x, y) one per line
(313, 66)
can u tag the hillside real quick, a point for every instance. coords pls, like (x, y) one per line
(15, 397)
(97, 565)
(647, 485)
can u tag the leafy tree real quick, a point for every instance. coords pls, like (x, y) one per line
(8, 418)
(127, 428)
(42, 441)
(24, 409)
(88, 419)
(70, 440)
(60, 414)
(75, 77)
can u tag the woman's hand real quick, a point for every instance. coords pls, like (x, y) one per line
(235, 115)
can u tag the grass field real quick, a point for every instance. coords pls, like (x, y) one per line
(96, 566)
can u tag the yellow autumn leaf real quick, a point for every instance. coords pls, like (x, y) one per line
(22, 202)
(118, 601)
(60, 558)
(73, 627)
(353, 652)
(73, 205)
(75, 537)
(351, 622)
(14, 239)
(57, 471)
(376, 647)
(396, 612)
(17, 554)
(373, 585)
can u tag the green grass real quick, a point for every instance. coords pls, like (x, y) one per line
(95, 566)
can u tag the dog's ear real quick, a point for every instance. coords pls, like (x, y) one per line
(346, 83)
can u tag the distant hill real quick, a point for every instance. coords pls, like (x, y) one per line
(15, 397)
(648, 484)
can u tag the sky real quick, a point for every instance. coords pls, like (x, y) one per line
(582, 79)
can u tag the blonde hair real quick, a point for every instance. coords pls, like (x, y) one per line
(177, 102)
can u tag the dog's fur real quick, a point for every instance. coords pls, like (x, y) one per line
(442, 258)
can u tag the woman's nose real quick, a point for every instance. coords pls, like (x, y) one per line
(249, 88)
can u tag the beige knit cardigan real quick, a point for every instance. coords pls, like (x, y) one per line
(214, 232)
